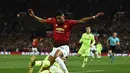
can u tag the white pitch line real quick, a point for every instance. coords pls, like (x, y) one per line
(89, 71)
(7, 67)
(11, 67)
(95, 71)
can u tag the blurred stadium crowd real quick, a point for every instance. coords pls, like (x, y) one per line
(14, 37)
(17, 33)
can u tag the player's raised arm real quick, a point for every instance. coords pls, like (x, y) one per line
(92, 17)
(81, 39)
(118, 42)
(31, 13)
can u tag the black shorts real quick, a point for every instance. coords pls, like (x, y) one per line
(93, 51)
(112, 48)
(60, 43)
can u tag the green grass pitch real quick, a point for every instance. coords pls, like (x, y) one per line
(19, 64)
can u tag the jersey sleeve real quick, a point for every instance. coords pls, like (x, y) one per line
(72, 22)
(118, 40)
(51, 20)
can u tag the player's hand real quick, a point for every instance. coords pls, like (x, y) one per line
(99, 14)
(118, 44)
(31, 13)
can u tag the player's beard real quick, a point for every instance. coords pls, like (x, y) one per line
(60, 24)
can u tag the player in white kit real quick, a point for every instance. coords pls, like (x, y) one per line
(54, 56)
(93, 52)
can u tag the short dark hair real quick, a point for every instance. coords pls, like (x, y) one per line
(60, 13)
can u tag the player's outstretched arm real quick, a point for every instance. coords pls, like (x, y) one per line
(92, 17)
(81, 39)
(31, 13)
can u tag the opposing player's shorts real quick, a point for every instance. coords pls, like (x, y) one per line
(65, 50)
(54, 69)
(84, 51)
(93, 51)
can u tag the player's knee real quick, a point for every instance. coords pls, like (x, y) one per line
(45, 71)
(110, 51)
(46, 63)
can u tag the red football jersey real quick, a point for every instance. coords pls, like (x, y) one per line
(61, 33)
(35, 43)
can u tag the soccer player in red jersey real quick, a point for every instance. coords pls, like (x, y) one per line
(34, 45)
(61, 26)
(61, 33)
